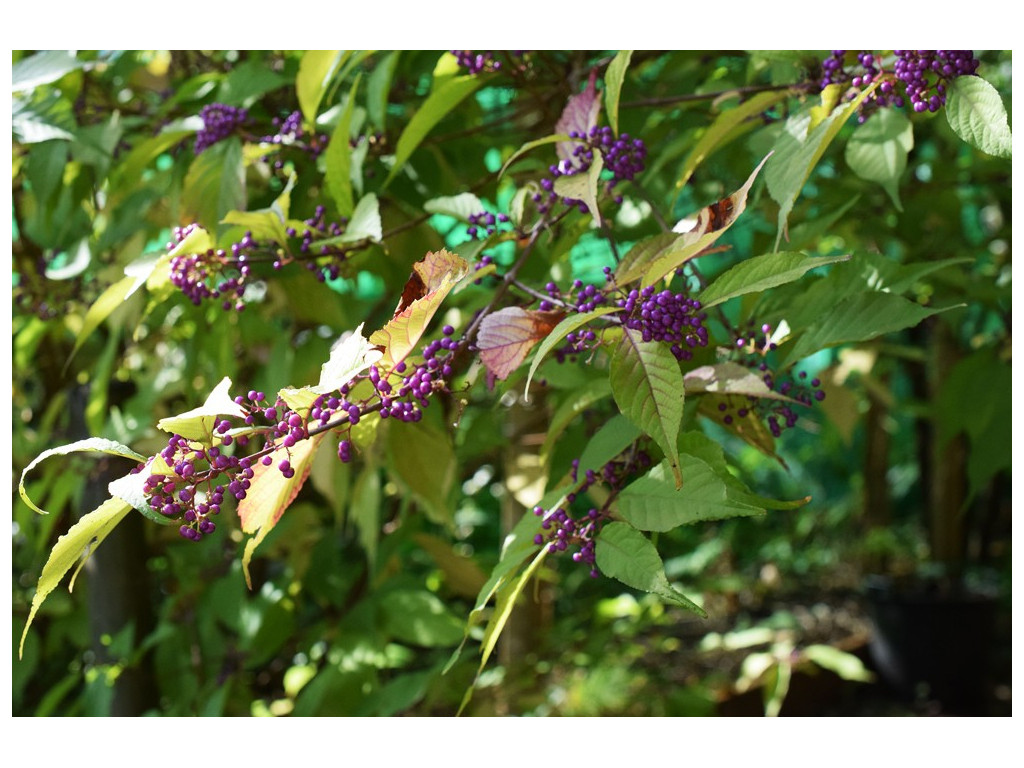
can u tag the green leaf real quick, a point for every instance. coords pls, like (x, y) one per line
(338, 158)
(417, 617)
(458, 207)
(266, 224)
(365, 223)
(89, 445)
(860, 317)
(614, 436)
(434, 109)
(530, 145)
(42, 68)
(613, 79)
(729, 378)
(424, 460)
(198, 423)
(623, 553)
(378, 87)
(77, 544)
(798, 150)
(724, 129)
(559, 332)
(578, 400)
(128, 172)
(877, 151)
(271, 493)
(846, 665)
(215, 183)
(977, 115)
(652, 503)
(316, 70)
(648, 388)
(761, 273)
(583, 186)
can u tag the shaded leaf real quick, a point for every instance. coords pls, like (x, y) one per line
(424, 460)
(623, 553)
(579, 116)
(724, 129)
(438, 104)
(507, 336)
(418, 617)
(877, 151)
(977, 115)
(729, 378)
(271, 493)
(614, 436)
(798, 150)
(215, 183)
(648, 388)
(77, 544)
(653, 503)
(860, 317)
(558, 137)
(89, 445)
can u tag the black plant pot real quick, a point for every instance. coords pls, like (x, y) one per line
(938, 638)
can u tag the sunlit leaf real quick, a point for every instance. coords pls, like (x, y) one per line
(613, 78)
(316, 70)
(530, 145)
(583, 186)
(729, 379)
(78, 543)
(625, 554)
(338, 158)
(89, 445)
(426, 289)
(198, 423)
(271, 493)
(349, 358)
(507, 336)
(41, 68)
(761, 273)
(458, 207)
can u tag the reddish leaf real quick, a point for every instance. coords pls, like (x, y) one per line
(507, 336)
(580, 115)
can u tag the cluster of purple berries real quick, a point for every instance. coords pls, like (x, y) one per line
(923, 75)
(779, 415)
(317, 227)
(290, 133)
(623, 158)
(475, 62)
(673, 318)
(188, 493)
(563, 530)
(214, 274)
(485, 224)
(413, 393)
(219, 122)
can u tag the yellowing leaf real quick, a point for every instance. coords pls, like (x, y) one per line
(430, 283)
(77, 544)
(270, 494)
